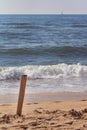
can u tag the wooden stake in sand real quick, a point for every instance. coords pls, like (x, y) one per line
(21, 94)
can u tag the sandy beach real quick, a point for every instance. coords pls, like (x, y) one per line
(62, 113)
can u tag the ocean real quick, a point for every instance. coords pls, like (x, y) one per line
(50, 49)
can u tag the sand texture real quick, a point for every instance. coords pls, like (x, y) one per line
(52, 115)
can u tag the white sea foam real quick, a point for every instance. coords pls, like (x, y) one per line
(44, 72)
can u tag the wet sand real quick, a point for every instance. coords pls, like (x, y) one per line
(38, 97)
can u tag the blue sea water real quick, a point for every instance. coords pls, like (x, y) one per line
(50, 49)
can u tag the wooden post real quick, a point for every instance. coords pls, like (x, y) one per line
(21, 94)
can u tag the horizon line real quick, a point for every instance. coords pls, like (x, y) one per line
(43, 14)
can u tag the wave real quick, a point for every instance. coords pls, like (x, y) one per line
(66, 50)
(14, 34)
(23, 25)
(44, 72)
(80, 25)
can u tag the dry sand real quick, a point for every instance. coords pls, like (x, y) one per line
(69, 114)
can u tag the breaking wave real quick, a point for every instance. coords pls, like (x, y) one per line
(44, 72)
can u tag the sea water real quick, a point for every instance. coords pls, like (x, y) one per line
(50, 49)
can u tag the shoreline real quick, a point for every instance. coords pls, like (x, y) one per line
(39, 97)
